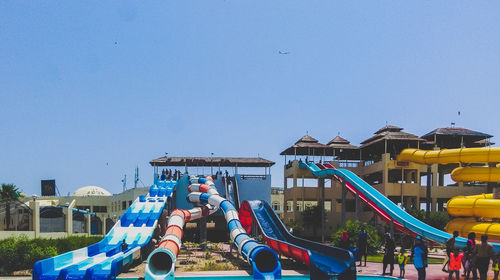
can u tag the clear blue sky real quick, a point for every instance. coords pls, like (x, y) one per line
(90, 89)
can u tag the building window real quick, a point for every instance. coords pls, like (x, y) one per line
(129, 203)
(124, 205)
(100, 209)
(299, 206)
(310, 204)
(328, 206)
(289, 206)
(276, 206)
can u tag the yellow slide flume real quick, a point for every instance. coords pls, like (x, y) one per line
(483, 205)
(445, 156)
(466, 225)
(482, 174)
(463, 155)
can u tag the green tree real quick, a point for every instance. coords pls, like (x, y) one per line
(353, 228)
(9, 194)
(312, 218)
(439, 219)
(417, 213)
(294, 226)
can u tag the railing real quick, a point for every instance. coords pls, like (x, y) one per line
(349, 164)
(253, 177)
(368, 162)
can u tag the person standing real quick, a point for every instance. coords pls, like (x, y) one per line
(344, 241)
(388, 253)
(163, 175)
(494, 266)
(419, 256)
(470, 263)
(362, 245)
(402, 260)
(483, 253)
(124, 245)
(455, 264)
(450, 245)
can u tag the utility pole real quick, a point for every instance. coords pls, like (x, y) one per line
(136, 176)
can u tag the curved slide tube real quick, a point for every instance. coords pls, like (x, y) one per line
(463, 155)
(398, 214)
(105, 259)
(445, 156)
(324, 261)
(482, 174)
(483, 205)
(161, 262)
(466, 225)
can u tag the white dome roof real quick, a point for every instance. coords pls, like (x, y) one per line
(91, 191)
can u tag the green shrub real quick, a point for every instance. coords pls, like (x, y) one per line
(19, 253)
(208, 254)
(213, 266)
(439, 219)
(353, 228)
(436, 219)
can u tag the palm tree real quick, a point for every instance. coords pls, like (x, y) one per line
(8, 194)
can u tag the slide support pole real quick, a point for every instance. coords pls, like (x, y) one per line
(428, 200)
(344, 189)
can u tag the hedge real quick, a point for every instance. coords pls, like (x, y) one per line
(20, 253)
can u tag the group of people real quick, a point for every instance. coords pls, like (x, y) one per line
(419, 253)
(362, 245)
(473, 258)
(167, 174)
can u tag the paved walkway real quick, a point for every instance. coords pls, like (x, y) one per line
(433, 272)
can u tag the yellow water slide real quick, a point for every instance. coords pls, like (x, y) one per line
(466, 225)
(445, 156)
(483, 205)
(475, 206)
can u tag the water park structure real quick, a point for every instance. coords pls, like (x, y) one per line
(375, 161)
(130, 236)
(246, 215)
(481, 166)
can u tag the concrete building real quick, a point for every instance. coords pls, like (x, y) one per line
(375, 162)
(93, 210)
(278, 201)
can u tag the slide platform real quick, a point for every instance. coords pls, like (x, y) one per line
(202, 191)
(105, 259)
(401, 216)
(324, 261)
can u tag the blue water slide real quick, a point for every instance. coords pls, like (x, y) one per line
(325, 261)
(398, 214)
(105, 259)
